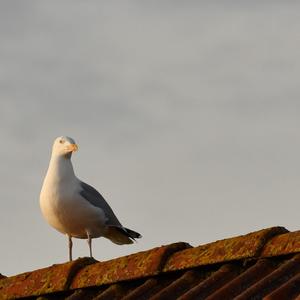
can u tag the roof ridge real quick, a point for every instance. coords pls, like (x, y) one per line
(76, 267)
(282, 244)
(55, 278)
(86, 272)
(246, 246)
(137, 265)
(267, 236)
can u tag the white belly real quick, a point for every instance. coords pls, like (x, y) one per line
(69, 213)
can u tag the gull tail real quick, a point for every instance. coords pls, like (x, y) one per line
(122, 235)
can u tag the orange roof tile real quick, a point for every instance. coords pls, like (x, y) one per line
(133, 266)
(261, 264)
(241, 247)
(43, 281)
(283, 244)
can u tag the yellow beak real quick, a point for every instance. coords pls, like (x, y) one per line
(72, 147)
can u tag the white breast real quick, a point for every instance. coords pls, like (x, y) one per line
(62, 205)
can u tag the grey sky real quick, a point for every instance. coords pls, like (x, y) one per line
(186, 115)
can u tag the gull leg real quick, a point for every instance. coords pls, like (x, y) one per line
(70, 247)
(89, 240)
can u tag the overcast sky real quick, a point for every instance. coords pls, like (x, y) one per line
(186, 113)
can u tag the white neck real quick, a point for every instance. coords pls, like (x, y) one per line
(60, 168)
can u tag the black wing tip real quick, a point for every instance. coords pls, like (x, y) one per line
(130, 234)
(133, 234)
(138, 236)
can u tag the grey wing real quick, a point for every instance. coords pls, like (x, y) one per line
(96, 199)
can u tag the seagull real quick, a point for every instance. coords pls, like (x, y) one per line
(75, 208)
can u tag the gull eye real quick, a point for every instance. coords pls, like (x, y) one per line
(61, 141)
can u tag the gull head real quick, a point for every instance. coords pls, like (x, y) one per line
(64, 146)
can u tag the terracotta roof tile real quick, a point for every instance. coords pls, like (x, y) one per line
(147, 289)
(241, 247)
(262, 264)
(178, 287)
(215, 281)
(243, 281)
(43, 281)
(115, 291)
(76, 295)
(274, 280)
(291, 288)
(282, 244)
(133, 266)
